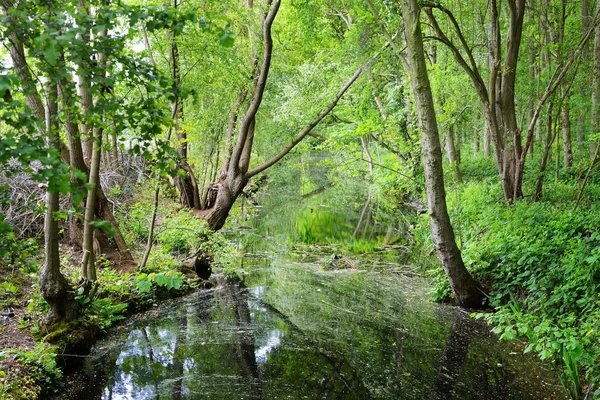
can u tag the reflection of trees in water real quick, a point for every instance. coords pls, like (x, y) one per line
(489, 381)
(339, 366)
(361, 344)
(179, 357)
(235, 295)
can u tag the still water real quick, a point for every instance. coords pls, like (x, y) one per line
(291, 330)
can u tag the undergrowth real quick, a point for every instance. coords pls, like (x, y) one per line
(541, 264)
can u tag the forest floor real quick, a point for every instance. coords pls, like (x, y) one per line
(11, 334)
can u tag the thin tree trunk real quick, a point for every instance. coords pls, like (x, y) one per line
(486, 140)
(476, 137)
(185, 180)
(149, 244)
(88, 263)
(566, 135)
(54, 287)
(546, 155)
(84, 94)
(466, 290)
(115, 150)
(596, 85)
(452, 155)
(370, 194)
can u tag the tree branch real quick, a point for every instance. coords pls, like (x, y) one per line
(259, 88)
(316, 121)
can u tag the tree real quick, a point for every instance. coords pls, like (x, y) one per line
(54, 287)
(498, 95)
(235, 170)
(54, 48)
(466, 290)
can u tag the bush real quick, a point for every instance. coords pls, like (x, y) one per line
(183, 232)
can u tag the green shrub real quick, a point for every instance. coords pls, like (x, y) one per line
(183, 232)
(541, 262)
(31, 371)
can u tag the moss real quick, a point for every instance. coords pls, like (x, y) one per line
(72, 337)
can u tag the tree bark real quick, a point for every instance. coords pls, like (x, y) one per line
(565, 116)
(466, 290)
(596, 85)
(186, 180)
(54, 287)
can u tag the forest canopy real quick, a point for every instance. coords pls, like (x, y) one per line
(132, 132)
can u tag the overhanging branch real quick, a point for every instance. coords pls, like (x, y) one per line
(308, 129)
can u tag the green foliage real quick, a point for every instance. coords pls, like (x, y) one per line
(319, 225)
(170, 280)
(32, 371)
(541, 262)
(183, 232)
(101, 312)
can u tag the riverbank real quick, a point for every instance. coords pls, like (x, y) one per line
(33, 355)
(293, 328)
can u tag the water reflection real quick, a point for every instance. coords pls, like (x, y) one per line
(292, 331)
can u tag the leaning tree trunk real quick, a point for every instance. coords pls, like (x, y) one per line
(466, 290)
(54, 287)
(219, 198)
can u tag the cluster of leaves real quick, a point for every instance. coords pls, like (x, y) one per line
(182, 231)
(99, 312)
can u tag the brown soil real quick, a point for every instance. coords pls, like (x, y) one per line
(11, 336)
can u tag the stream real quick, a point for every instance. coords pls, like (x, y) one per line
(288, 329)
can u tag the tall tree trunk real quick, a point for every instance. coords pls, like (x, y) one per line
(84, 92)
(453, 158)
(185, 181)
(498, 95)
(486, 140)
(466, 290)
(476, 137)
(550, 129)
(565, 116)
(88, 263)
(54, 287)
(596, 85)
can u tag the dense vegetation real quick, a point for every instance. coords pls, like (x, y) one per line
(132, 132)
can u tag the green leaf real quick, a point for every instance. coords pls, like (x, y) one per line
(144, 285)
(104, 225)
(227, 39)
